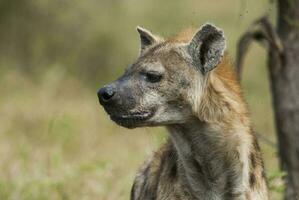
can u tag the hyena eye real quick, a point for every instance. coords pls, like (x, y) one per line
(152, 77)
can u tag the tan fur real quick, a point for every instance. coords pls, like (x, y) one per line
(222, 103)
(212, 152)
(183, 37)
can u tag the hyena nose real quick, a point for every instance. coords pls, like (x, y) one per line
(105, 94)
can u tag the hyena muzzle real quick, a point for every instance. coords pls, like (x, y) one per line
(187, 85)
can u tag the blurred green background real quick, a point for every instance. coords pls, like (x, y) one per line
(56, 142)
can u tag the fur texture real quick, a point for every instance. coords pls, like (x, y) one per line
(188, 85)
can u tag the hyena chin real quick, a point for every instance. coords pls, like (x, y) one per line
(188, 85)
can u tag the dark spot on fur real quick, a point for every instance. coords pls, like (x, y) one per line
(252, 180)
(173, 164)
(198, 167)
(173, 171)
(228, 188)
(145, 172)
(253, 160)
(255, 144)
(227, 105)
(184, 83)
(146, 189)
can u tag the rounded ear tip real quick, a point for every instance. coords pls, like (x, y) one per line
(211, 26)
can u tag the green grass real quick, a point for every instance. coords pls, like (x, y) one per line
(56, 142)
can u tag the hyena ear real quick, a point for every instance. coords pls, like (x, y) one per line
(207, 47)
(146, 38)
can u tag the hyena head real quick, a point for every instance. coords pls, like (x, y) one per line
(163, 84)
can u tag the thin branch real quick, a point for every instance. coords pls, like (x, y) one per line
(262, 32)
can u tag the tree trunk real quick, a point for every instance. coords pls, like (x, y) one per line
(284, 76)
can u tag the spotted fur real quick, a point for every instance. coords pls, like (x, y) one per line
(212, 152)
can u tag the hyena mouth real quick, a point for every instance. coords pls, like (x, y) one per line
(131, 120)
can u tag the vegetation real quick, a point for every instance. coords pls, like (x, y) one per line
(56, 142)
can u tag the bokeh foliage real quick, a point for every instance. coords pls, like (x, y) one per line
(96, 38)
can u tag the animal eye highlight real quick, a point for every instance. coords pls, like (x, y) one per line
(152, 77)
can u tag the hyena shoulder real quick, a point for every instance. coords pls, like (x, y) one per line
(158, 178)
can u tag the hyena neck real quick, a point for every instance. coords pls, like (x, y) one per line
(217, 151)
(213, 163)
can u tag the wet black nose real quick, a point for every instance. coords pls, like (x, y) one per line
(106, 93)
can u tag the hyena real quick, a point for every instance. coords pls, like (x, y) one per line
(188, 85)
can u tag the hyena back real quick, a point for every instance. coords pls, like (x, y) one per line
(187, 84)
